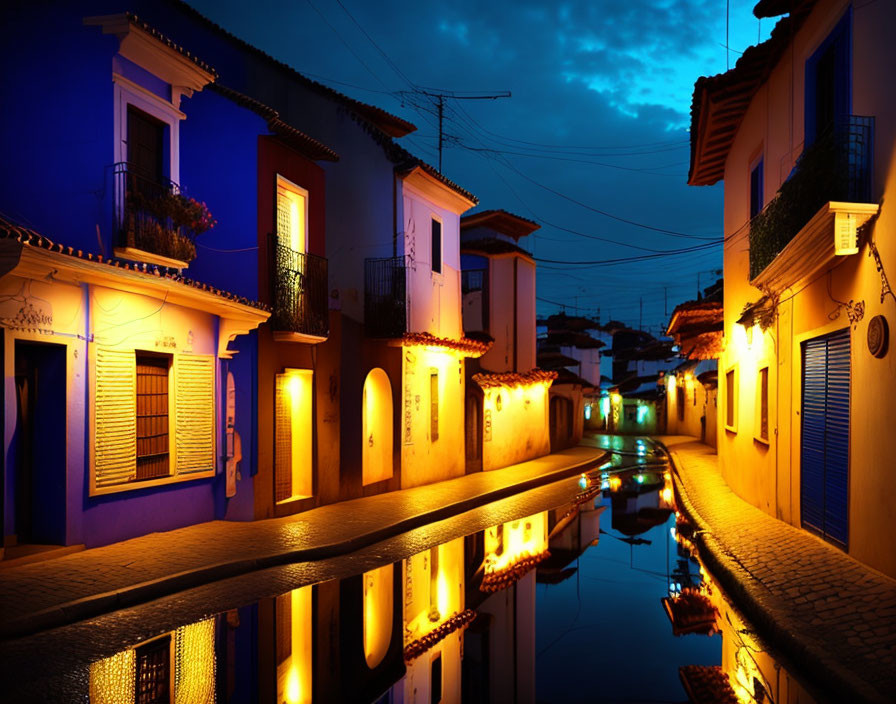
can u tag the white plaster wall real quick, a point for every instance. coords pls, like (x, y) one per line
(525, 315)
(434, 299)
(520, 430)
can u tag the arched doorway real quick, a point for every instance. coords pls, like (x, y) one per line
(376, 428)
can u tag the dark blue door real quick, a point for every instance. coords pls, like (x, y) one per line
(824, 455)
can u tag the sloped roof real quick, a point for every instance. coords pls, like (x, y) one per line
(491, 245)
(390, 124)
(297, 139)
(570, 338)
(500, 221)
(720, 102)
(167, 41)
(31, 238)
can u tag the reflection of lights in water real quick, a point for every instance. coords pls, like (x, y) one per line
(583, 482)
(588, 411)
(667, 495)
(605, 465)
(615, 483)
(604, 484)
(673, 533)
(642, 413)
(443, 596)
(667, 475)
(640, 478)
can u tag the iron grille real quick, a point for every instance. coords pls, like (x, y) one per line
(149, 216)
(385, 297)
(835, 167)
(300, 291)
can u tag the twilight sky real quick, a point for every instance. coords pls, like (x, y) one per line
(596, 127)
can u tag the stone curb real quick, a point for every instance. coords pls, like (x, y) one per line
(142, 592)
(832, 681)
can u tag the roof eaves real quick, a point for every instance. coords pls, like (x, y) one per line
(389, 124)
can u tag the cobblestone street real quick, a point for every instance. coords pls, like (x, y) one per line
(830, 616)
(58, 591)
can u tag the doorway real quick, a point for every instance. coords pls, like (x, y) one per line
(38, 457)
(824, 447)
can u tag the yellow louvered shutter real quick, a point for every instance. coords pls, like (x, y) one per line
(194, 430)
(282, 439)
(115, 415)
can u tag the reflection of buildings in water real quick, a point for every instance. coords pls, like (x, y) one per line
(748, 673)
(176, 667)
(433, 623)
(499, 646)
(573, 529)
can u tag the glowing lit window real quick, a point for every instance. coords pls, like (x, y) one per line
(293, 430)
(294, 645)
(376, 428)
(292, 215)
(377, 614)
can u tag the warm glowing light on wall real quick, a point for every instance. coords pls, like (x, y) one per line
(670, 382)
(294, 672)
(377, 614)
(376, 428)
(507, 543)
(667, 495)
(615, 483)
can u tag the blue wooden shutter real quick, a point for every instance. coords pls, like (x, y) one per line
(824, 456)
(836, 450)
(812, 454)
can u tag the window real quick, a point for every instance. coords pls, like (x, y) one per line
(828, 81)
(434, 405)
(154, 418)
(730, 400)
(756, 186)
(762, 405)
(436, 246)
(153, 672)
(436, 679)
(292, 435)
(292, 215)
(145, 146)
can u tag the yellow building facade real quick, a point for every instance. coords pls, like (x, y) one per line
(802, 131)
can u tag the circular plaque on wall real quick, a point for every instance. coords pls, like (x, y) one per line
(878, 335)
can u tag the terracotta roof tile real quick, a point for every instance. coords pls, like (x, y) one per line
(32, 238)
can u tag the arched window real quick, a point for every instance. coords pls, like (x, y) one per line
(376, 428)
(377, 614)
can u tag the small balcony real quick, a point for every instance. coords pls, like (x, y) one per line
(474, 290)
(157, 223)
(832, 173)
(385, 297)
(300, 295)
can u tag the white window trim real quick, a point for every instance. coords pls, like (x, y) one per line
(757, 431)
(126, 92)
(437, 275)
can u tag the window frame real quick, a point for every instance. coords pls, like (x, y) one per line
(129, 94)
(170, 414)
(731, 399)
(280, 181)
(757, 190)
(762, 374)
(432, 259)
(174, 476)
(306, 377)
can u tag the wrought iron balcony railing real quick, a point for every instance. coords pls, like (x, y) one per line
(835, 167)
(300, 291)
(385, 297)
(156, 217)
